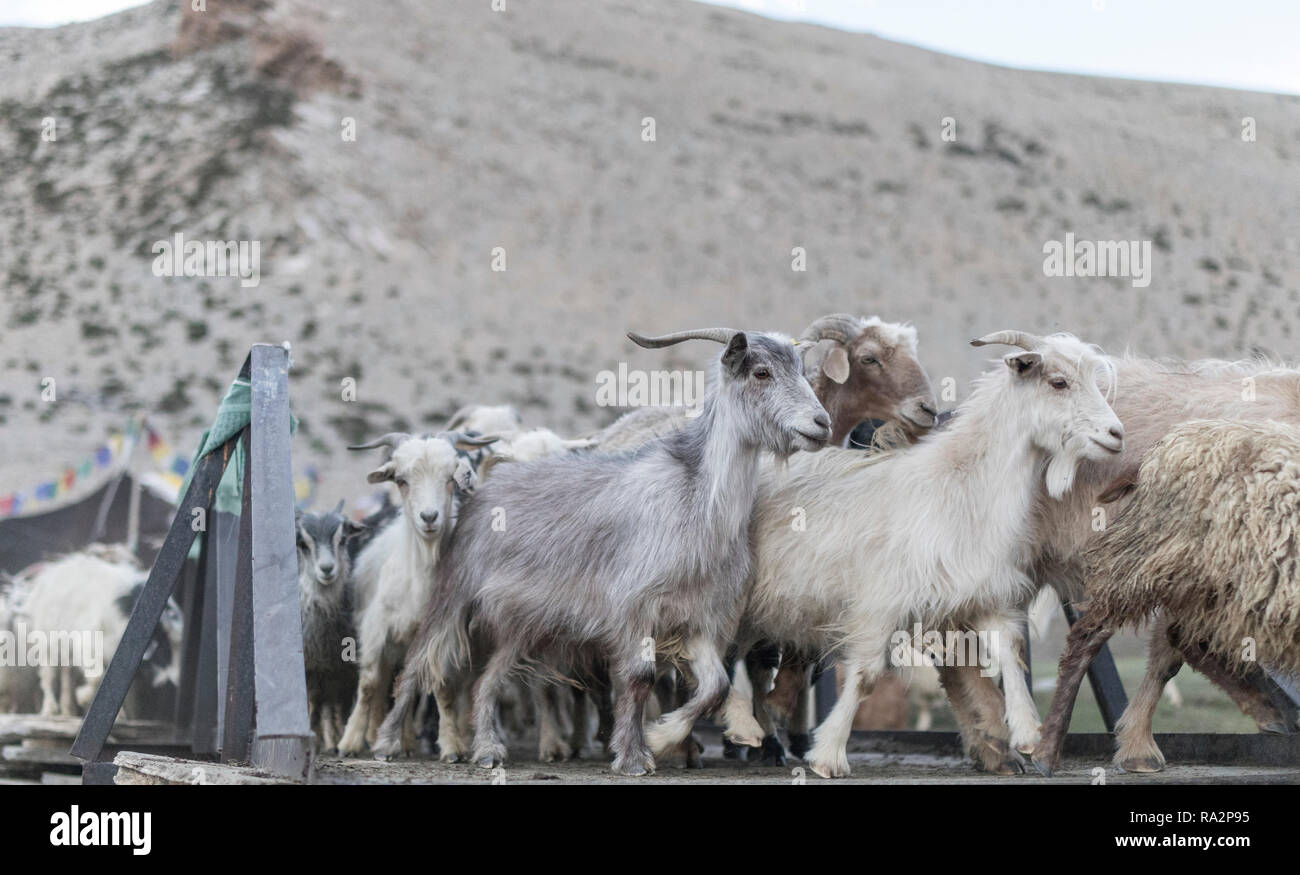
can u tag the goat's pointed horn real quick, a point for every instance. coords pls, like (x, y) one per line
(464, 441)
(391, 440)
(721, 335)
(1010, 337)
(840, 327)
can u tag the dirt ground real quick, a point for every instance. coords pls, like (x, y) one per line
(868, 768)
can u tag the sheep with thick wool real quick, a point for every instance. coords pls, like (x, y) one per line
(1210, 542)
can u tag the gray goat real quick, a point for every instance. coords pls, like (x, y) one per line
(631, 558)
(326, 595)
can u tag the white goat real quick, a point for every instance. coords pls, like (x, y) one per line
(79, 607)
(394, 572)
(950, 550)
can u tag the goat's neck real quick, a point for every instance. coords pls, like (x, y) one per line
(727, 466)
(986, 461)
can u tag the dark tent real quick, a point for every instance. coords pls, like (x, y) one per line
(28, 539)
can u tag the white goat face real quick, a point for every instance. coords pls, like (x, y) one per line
(432, 477)
(1072, 421)
(781, 412)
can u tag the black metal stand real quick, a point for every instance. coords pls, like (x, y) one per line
(264, 687)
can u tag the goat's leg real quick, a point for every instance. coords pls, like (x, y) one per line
(761, 663)
(790, 702)
(489, 748)
(580, 714)
(634, 681)
(49, 675)
(453, 745)
(711, 687)
(325, 715)
(739, 725)
(979, 709)
(1136, 748)
(551, 746)
(371, 691)
(379, 703)
(1008, 647)
(691, 747)
(829, 754)
(1086, 638)
(67, 692)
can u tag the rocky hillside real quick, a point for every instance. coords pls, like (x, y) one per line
(524, 130)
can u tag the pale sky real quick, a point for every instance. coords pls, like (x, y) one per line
(1252, 44)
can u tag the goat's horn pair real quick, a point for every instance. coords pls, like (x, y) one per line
(391, 440)
(1022, 339)
(840, 327)
(721, 335)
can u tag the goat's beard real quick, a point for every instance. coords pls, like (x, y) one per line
(1061, 468)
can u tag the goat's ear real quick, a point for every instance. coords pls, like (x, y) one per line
(464, 475)
(352, 528)
(836, 365)
(733, 359)
(1023, 363)
(381, 474)
(338, 508)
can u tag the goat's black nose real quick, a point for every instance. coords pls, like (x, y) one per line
(927, 408)
(823, 420)
(327, 568)
(429, 516)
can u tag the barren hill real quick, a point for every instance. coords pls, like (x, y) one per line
(523, 130)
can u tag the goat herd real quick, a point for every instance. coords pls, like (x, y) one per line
(692, 562)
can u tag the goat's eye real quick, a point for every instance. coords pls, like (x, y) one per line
(869, 360)
(401, 483)
(762, 374)
(1059, 383)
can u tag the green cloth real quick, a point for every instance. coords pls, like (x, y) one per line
(233, 416)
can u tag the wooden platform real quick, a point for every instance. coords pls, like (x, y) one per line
(34, 748)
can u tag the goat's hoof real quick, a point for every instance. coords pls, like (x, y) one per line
(1275, 727)
(490, 761)
(1142, 765)
(829, 770)
(800, 744)
(747, 740)
(452, 757)
(730, 751)
(1045, 766)
(635, 767)
(773, 752)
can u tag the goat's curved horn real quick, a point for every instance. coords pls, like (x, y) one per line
(1010, 337)
(391, 440)
(840, 327)
(721, 335)
(461, 441)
